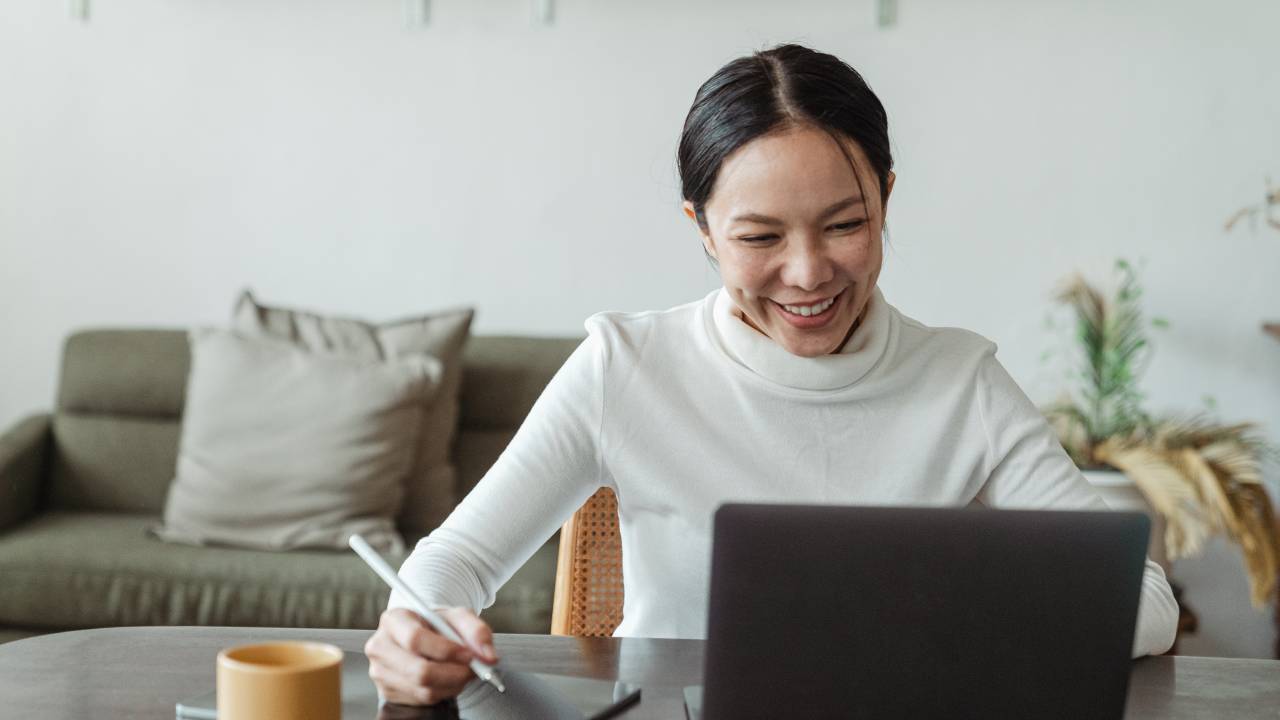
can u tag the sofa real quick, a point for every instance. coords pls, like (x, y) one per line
(80, 486)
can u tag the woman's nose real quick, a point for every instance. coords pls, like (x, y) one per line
(807, 266)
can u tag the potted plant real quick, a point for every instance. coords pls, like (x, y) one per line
(1199, 477)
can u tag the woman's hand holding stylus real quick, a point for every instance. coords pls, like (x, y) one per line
(411, 664)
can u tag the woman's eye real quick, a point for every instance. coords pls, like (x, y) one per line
(851, 225)
(757, 238)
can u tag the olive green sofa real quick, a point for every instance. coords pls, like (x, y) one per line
(80, 486)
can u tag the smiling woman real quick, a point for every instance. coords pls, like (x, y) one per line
(795, 382)
(786, 170)
(801, 273)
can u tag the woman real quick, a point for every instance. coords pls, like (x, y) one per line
(795, 382)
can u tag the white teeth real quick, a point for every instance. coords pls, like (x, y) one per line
(807, 310)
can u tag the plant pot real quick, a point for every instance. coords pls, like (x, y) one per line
(1120, 493)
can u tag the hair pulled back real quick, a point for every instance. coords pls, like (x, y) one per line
(773, 90)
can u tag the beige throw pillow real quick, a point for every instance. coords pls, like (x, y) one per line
(282, 448)
(430, 493)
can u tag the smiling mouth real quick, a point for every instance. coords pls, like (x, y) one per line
(811, 310)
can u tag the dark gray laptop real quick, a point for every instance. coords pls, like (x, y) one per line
(827, 611)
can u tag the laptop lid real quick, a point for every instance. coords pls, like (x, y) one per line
(830, 611)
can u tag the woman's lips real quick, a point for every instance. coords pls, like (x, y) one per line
(810, 322)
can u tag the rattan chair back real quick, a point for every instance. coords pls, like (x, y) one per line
(588, 592)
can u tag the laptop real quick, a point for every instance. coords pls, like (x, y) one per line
(877, 612)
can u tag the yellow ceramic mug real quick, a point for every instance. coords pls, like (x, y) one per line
(280, 681)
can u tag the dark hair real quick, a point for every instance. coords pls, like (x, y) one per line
(774, 90)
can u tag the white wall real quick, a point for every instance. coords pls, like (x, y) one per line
(169, 152)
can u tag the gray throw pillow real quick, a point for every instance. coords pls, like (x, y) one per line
(430, 489)
(283, 448)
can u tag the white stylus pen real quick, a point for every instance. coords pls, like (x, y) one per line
(485, 672)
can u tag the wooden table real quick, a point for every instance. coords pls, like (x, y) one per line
(139, 673)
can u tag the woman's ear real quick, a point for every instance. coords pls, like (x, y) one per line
(707, 244)
(689, 211)
(888, 189)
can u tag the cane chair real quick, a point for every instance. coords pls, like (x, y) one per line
(588, 592)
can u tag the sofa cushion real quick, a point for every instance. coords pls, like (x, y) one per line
(64, 571)
(505, 375)
(285, 449)
(72, 570)
(429, 490)
(124, 372)
(115, 430)
(475, 452)
(116, 463)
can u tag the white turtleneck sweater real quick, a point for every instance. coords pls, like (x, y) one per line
(681, 410)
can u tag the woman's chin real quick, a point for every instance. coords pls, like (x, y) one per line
(811, 346)
(809, 351)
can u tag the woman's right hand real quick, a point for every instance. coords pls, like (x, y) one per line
(411, 664)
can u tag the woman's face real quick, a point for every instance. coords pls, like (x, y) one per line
(797, 243)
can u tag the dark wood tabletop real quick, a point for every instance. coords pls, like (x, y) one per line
(140, 673)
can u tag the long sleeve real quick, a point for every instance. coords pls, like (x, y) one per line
(1029, 469)
(552, 465)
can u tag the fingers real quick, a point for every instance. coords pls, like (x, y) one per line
(411, 664)
(406, 695)
(414, 669)
(411, 632)
(474, 631)
(417, 681)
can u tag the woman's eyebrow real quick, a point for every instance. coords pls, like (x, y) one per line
(844, 204)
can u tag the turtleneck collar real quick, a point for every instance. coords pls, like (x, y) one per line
(758, 353)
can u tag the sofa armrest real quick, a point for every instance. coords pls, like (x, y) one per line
(23, 449)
